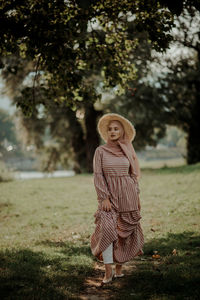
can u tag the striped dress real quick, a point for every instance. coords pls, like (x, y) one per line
(121, 225)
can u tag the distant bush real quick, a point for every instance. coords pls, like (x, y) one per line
(5, 174)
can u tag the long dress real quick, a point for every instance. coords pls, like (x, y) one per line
(121, 225)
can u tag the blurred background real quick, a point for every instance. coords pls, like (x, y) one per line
(59, 75)
(21, 159)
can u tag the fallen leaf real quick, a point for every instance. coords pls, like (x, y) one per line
(174, 252)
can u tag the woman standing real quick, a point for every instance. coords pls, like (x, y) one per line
(118, 235)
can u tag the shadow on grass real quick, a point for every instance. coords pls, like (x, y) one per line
(36, 275)
(26, 274)
(69, 248)
(171, 276)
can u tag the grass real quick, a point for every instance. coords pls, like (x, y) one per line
(171, 276)
(5, 174)
(46, 225)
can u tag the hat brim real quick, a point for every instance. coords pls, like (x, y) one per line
(105, 120)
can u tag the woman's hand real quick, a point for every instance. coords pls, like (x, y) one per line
(106, 205)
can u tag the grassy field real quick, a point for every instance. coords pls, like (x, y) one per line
(46, 225)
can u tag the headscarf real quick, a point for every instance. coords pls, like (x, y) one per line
(125, 146)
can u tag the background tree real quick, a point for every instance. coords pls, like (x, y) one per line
(166, 90)
(180, 86)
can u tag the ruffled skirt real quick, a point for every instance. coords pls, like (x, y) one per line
(121, 228)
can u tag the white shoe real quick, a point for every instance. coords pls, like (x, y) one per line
(118, 276)
(109, 279)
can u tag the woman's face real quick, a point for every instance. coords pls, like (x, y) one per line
(115, 130)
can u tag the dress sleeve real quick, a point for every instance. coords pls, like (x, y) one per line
(99, 179)
(136, 165)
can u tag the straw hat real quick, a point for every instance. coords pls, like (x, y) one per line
(102, 126)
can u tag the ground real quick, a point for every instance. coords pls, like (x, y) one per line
(46, 225)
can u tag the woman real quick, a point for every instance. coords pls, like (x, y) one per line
(118, 235)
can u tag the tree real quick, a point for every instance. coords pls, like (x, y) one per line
(67, 50)
(64, 56)
(64, 40)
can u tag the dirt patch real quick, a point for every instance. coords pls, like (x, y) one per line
(94, 290)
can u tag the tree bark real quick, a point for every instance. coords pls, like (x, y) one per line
(193, 141)
(78, 144)
(92, 137)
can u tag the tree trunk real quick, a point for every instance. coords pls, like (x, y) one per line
(193, 141)
(92, 137)
(78, 144)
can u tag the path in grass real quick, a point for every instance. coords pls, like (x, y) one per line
(46, 225)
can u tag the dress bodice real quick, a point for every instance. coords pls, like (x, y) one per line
(113, 165)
